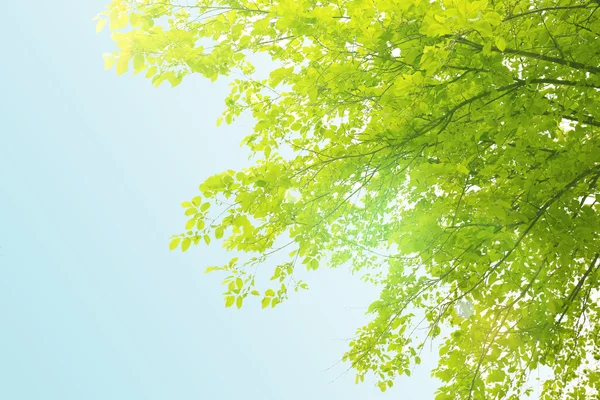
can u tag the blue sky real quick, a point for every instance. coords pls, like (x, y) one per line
(94, 306)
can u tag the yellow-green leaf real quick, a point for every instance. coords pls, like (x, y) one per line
(100, 25)
(151, 71)
(174, 243)
(265, 302)
(138, 63)
(500, 43)
(122, 64)
(186, 244)
(190, 224)
(109, 61)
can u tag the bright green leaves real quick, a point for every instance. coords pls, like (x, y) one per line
(279, 75)
(196, 212)
(240, 284)
(459, 16)
(272, 298)
(235, 294)
(496, 376)
(423, 146)
(383, 386)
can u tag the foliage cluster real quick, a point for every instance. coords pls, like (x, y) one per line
(447, 150)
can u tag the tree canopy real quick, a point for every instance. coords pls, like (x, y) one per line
(445, 150)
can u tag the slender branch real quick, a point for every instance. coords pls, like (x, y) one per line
(587, 121)
(508, 309)
(540, 10)
(527, 54)
(577, 289)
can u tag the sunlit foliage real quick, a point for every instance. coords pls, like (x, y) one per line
(446, 150)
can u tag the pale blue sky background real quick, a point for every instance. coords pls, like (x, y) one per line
(93, 305)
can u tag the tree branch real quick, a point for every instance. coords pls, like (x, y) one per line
(527, 54)
(540, 10)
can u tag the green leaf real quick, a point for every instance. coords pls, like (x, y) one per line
(122, 64)
(109, 61)
(186, 244)
(462, 169)
(484, 28)
(100, 25)
(151, 72)
(135, 20)
(496, 376)
(493, 18)
(138, 63)
(487, 48)
(229, 300)
(500, 43)
(174, 243)
(265, 302)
